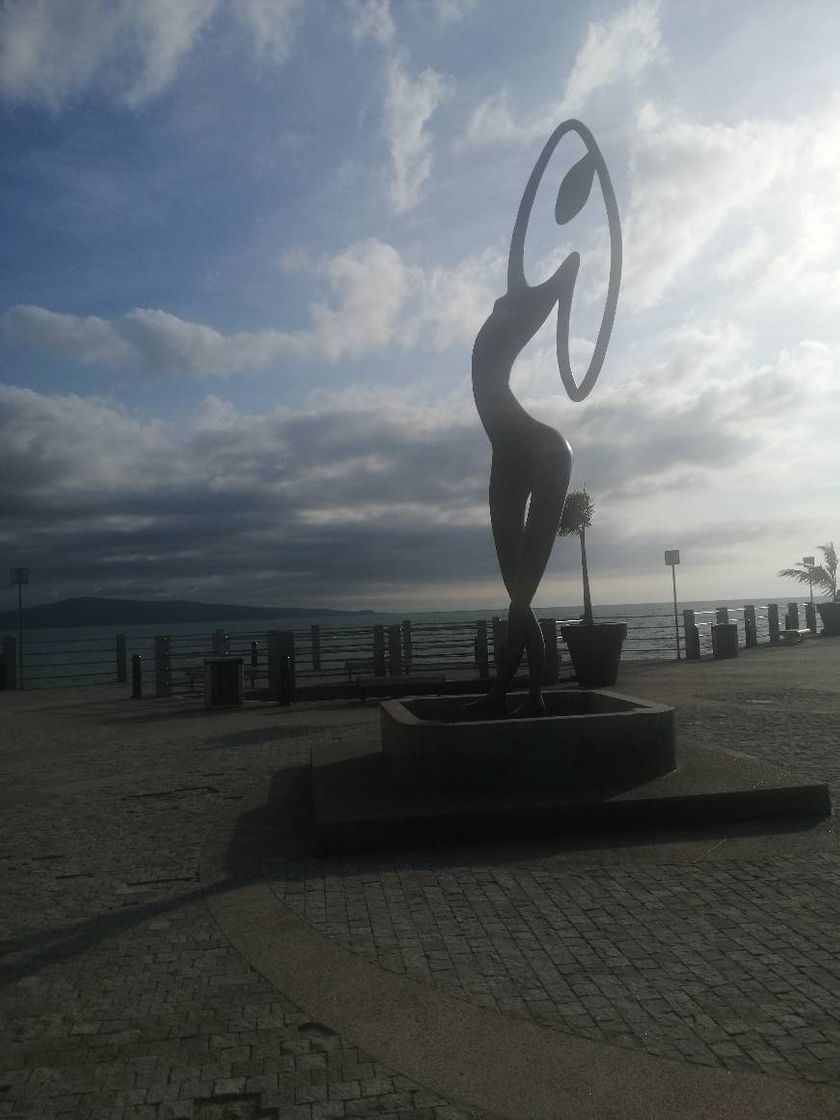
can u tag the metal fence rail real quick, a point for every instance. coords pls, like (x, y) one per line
(339, 653)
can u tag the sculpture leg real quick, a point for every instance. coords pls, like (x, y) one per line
(509, 493)
(524, 545)
(544, 513)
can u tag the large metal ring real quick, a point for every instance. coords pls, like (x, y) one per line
(516, 267)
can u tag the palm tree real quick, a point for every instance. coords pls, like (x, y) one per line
(822, 576)
(576, 519)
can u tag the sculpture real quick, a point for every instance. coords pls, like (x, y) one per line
(531, 462)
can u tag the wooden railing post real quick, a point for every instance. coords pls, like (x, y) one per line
(811, 617)
(395, 651)
(379, 651)
(750, 629)
(792, 617)
(722, 615)
(163, 666)
(281, 665)
(316, 647)
(692, 636)
(773, 623)
(406, 639)
(220, 643)
(136, 677)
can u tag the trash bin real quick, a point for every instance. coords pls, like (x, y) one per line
(224, 682)
(725, 639)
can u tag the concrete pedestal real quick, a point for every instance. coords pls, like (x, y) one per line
(224, 682)
(588, 737)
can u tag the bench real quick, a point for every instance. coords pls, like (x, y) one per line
(794, 637)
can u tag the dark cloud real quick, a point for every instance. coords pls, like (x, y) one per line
(323, 506)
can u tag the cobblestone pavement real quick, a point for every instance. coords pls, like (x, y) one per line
(721, 963)
(730, 964)
(796, 728)
(119, 997)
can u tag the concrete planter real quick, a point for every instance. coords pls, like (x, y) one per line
(830, 617)
(587, 738)
(595, 651)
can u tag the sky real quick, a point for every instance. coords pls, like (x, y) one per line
(246, 246)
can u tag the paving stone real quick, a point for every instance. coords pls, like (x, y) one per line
(120, 998)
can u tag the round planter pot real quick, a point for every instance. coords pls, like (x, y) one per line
(595, 651)
(830, 617)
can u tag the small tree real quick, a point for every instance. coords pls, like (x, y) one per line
(576, 519)
(822, 576)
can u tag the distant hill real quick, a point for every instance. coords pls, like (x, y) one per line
(92, 611)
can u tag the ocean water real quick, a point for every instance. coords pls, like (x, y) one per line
(88, 655)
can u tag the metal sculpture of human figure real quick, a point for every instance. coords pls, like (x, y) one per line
(531, 462)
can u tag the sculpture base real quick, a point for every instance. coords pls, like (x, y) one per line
(587, 737)
(356, 807)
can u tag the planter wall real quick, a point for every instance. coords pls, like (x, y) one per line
(595, 651)
(830, 616)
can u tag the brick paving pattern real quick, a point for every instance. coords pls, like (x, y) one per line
(791, 727)
(119, 997)
(728, 964)
(725, 964)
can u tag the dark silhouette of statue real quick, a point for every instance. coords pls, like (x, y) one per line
(532, 463)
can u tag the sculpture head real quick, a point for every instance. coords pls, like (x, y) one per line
(571, 197)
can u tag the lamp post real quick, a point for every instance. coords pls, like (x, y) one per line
(672, 558)
(18, 577)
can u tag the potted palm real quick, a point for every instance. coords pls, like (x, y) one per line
(594, 647)
(823, 577)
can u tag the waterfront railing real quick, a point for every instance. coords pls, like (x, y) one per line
(162, 664)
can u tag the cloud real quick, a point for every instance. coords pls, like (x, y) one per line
(369, 283)
(395, 482)
(695, 185)
(131, 50)
(688, 179)
(374, 300)
(613, 51)
(453, 302)
(145, 339)
(410, 101)
(96, 498)
(272, 23)
(371, 19)
(453, 11)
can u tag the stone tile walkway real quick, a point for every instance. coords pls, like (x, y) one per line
(729, 964)
(120, 996)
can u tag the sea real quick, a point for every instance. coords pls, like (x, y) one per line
(86, 656)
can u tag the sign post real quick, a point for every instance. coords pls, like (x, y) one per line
(18, 577)
(672, 558)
